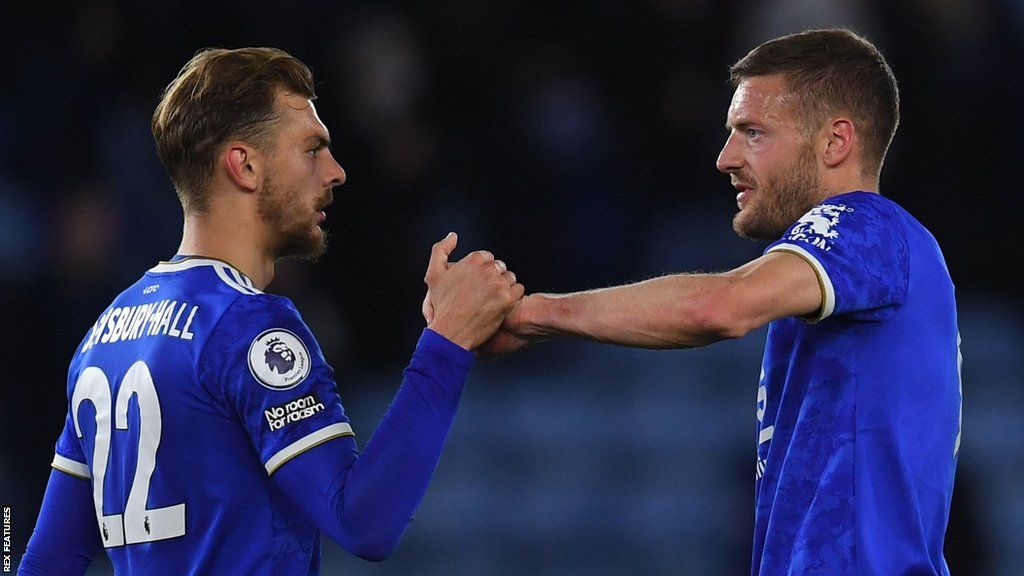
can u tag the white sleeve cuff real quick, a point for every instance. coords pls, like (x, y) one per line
(73, 467)
(828, 292)
(306, 442)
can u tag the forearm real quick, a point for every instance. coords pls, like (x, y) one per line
(387, 484)
(678, 311)
(66, 537)
(365, 501)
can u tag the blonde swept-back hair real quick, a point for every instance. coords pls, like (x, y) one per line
(218, 96)
(831, 72)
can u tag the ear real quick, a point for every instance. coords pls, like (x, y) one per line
(241, 165)
(840, 137)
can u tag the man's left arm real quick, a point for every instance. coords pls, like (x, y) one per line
(365, 501)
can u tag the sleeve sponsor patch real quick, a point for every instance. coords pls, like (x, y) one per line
(290, 412)
(278, 359)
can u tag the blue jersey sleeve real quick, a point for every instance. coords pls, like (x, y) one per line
(65, 539)
(263, 366)
(68, 454)
(859, 253)
(365, 501)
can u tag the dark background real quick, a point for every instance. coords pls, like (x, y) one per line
(575, 140)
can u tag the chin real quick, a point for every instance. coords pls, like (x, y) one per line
(308, 246)
(739, 223)
(318, 244)
(750, 228)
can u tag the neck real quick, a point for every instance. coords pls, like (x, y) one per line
(848, 182)
(232, 239)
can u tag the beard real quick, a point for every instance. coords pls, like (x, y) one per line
(781, 201)
(292, 233)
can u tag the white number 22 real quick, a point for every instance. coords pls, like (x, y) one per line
(137, 524)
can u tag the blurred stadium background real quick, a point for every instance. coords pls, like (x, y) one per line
(577, 141)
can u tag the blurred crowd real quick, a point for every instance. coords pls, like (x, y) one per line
(576, 140)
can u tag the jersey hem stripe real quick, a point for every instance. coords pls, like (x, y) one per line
(307, 442)
(828, 292)
(72, 467)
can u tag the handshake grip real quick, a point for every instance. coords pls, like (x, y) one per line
(467, 300)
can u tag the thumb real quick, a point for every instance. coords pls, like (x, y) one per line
(439, 256)
(428, 308)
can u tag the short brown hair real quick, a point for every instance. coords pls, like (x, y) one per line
(831, 72)
(220, 95)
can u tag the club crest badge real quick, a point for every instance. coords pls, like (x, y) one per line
(278, 359)
(818, 226)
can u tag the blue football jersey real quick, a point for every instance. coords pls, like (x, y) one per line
(858, 409)
(189, 391)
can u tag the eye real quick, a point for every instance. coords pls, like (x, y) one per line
(753, 133)
(313, 152)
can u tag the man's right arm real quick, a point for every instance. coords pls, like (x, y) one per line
(66, 537)
(675, 311)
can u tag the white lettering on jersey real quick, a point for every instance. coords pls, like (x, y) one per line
(765, 433)
(138, 523)
(293, 411)
(166, 317)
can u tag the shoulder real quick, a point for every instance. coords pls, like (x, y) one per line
(850, 219)
(861, 208)
(269, 334)
(247, 313)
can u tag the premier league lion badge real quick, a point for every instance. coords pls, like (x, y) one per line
(278, 359)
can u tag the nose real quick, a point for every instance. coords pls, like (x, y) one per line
(729, 159)
(336, 174)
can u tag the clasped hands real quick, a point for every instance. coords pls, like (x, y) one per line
(474, 302)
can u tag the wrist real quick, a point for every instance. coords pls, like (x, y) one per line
(451, 333)
(438, 346)
(539, 315)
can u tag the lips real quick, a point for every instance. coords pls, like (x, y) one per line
(744, 192)
(321, 210)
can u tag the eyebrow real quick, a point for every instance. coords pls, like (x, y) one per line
(741, 125)
(319, 140)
